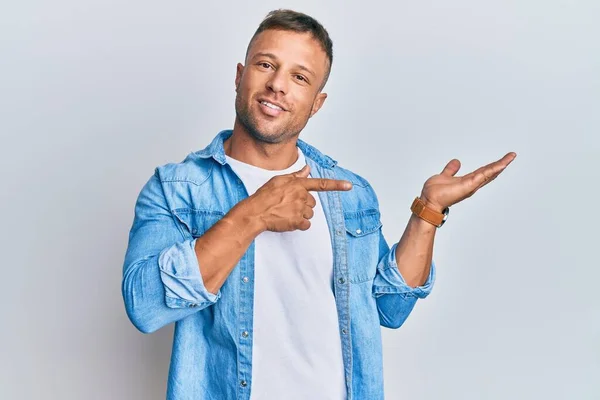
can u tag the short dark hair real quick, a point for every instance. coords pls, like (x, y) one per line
(289, 20)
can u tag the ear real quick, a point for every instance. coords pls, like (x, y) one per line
(238, 75)
(318, 103)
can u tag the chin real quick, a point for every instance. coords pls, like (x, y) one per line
(264, 129)
(267, 135)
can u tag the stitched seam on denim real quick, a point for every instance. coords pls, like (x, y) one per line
(360, 279)
(356, 179)
(178, 214)
(187, 210)
(393, 290)
(173, 218)
(185, 301)
(362, 213)
(187, 180)
(311, 152)
(393, 265)
(364, 231)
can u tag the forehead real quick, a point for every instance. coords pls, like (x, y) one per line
(290, 47)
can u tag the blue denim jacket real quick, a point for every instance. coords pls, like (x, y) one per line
(212, 349)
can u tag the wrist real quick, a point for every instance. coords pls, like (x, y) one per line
(431, 204)
(242, 215)
(429, 211)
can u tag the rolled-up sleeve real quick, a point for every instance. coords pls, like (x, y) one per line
(395, 298)
(161, 276)
(390, 280)
(181, 277)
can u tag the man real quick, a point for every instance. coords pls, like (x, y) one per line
(267, 255)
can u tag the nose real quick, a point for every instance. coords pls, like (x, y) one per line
(277, 82)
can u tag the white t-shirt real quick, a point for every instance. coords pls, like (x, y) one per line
(296, 348)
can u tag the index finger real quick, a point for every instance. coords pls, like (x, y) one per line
(323, 184)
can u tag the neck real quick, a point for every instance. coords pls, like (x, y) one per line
(270, 156)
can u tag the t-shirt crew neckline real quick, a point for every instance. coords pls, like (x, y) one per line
(297, 166)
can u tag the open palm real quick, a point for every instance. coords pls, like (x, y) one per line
(445, 189)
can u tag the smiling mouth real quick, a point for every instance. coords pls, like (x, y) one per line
(270, 109)
(271, 106)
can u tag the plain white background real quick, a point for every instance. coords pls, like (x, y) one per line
(95, 94)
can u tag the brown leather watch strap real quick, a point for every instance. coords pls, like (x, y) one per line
(419, 208)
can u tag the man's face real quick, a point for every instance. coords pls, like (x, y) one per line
(279, 88)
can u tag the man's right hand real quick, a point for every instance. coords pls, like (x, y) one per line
(284, 202)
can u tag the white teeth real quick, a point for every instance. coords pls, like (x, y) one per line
(273, 106)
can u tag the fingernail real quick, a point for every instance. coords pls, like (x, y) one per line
(347, 185)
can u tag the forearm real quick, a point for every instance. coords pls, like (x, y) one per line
(415, 251)
(223, 245)
(395, 295)
(282, 204)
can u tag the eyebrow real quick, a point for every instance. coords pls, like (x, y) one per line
(274, 58)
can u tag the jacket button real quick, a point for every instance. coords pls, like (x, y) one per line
(245, 334)
(342, 281)
(358, 231)
(243, 383)
(245, 279)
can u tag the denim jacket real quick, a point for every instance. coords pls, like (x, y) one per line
(212, 346)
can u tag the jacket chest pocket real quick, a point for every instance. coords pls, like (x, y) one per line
(362, 237)
(195, 222)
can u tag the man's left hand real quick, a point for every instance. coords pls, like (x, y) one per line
(445, 189)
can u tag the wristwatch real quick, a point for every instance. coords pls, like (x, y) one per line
(436, 218)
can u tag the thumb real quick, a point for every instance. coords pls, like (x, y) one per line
(451, 168)
(303, 173)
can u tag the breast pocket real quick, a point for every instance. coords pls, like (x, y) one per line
(362, 233)
(196, 222)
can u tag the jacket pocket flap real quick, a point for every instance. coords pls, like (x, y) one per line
(197, 221)
(361, 223)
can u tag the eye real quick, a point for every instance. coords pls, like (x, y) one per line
(301, 78)
(265, 65)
